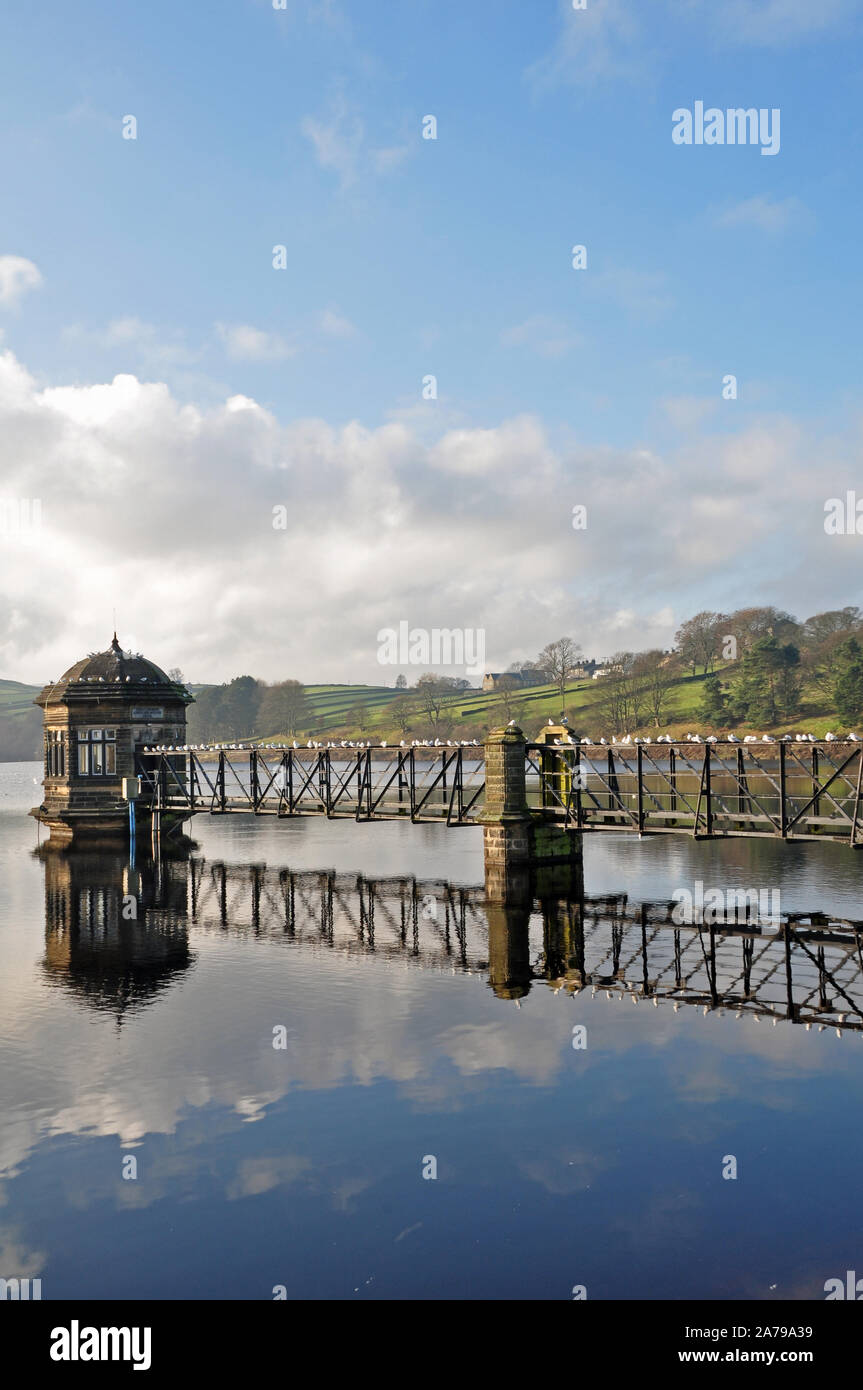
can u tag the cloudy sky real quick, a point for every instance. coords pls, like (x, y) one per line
(164, 386)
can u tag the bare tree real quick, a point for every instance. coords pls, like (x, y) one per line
(622, 695)
(436, 696)
(510, 699)
(558, 658)
(699, 639)
(404, 709)
(656, 672)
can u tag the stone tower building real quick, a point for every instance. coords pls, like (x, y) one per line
(98, 719)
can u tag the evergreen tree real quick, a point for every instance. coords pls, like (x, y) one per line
(768, 688)
(848, 681)
(714, 704)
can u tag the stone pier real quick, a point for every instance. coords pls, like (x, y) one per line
(525, 850)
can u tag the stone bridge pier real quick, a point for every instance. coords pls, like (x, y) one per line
(527, 854)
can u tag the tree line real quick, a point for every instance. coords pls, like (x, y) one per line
(756, 662)
(244, 706)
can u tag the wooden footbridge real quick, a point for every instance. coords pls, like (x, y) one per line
(787, 789)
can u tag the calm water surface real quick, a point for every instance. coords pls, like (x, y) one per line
(303, 1166)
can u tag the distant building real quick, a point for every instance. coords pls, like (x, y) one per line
(509, 680)
(98, 719)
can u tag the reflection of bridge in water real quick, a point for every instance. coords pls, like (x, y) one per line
(807, 968)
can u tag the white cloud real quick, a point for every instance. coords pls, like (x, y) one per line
(147, 344)
(601, 42)
(614, 40)
(544, 335)
(335, 325)
(688, 413)
(766, 213)
(776, 23)
(243, 343)
(643, 293)
(17, 277)
(340, 145)
(468, 527)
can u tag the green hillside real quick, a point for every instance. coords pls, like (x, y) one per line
(333, 709)
(20, 722)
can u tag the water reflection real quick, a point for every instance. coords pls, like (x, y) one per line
(118, 936)
(398, 994)
(115, 934)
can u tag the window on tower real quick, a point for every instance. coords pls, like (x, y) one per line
(97, 752)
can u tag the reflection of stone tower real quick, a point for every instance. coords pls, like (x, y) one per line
(99, 719)
(508, 950)
(563, 932)
(94, 945)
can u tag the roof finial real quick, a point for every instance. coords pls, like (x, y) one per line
(115, 645)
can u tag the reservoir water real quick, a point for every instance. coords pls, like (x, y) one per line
(313, 1060)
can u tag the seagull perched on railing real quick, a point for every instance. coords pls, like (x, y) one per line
(854, 738)
(830, 738)
(750, 738)
(765, 738)
(586, 740)
(732, 738)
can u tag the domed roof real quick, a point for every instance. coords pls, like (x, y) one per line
(113, 666)
(115, 672)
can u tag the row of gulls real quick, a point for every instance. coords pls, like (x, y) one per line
(360, 745)
(628, 740)
(311, 744)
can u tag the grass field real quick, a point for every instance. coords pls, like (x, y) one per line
(474, 711)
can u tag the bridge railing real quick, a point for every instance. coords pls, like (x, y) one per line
(783, 790)
(780, 789)
(366, 784)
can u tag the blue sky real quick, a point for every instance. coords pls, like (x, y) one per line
(152, 259)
